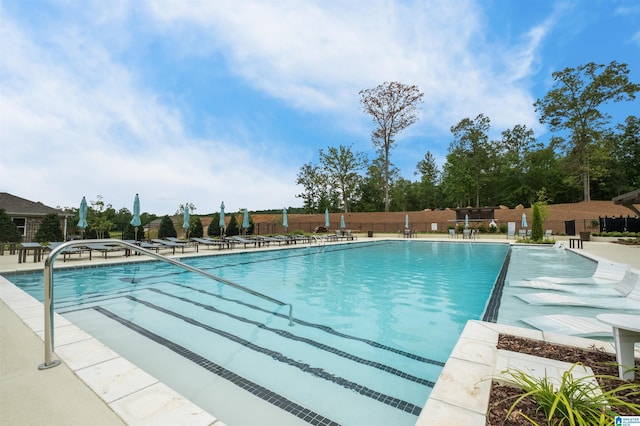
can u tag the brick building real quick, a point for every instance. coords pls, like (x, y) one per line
(27, 215)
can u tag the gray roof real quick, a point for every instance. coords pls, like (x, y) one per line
(16, 206)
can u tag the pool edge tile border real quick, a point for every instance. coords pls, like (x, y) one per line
(166, 403)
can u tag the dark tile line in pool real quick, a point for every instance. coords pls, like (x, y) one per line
(251, 387)
(493, 306)
(277, 356)
(322, 327)
(287, 335)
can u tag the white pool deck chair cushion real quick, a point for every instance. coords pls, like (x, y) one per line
(630, 282)
(629, 302)
(605, 273)
(570, 325)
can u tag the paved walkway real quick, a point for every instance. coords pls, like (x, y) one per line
(57, 396)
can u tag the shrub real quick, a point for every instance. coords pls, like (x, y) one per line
(195, 228)
(213, 230)
(166, 228)
(232, 227)
(9, 232)
(49, 229)
(129, 233)
(536, 226)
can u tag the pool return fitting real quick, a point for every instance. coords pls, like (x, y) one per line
(48, 287)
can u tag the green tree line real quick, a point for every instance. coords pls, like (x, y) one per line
(587, 156)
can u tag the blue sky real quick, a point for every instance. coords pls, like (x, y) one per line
(210, 101)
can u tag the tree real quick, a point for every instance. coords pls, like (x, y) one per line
(232, 227)
(99, 215)
(49, 230)
(314, 183)
(429, 179)
(341, 166)
(512, 166)
(573, 105)
(213, 230)
(393, 107)
(9, 232)
(166, 228)
(472, 151)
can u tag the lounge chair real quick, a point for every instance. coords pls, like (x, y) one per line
(570, 325)
(68, 251)
(605, 273)
(630, 282)
(102, 248)
(209, 242)
(177, 240)
(548, 234)
(468, 234)
(631, 301)
(268, 240)
(169, 244)
(522, 233)
(348, 235)
(452, 233)
(245, 241)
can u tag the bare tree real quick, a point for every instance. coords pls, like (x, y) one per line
(393, 107)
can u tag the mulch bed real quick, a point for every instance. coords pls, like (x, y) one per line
(501, 398)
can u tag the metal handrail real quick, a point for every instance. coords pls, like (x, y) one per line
(48, 287)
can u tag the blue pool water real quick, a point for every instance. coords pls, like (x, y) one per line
(374, 324)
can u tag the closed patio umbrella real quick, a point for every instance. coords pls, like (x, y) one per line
(326, 218)
(406, 221)
(185, 222)
(221, 222)
(342, 225)
(82, 223)
(245, 221)
(524, 220)
(135, 221)
(285, 222)
(466, 220)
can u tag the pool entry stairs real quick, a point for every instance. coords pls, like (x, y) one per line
(244, 362)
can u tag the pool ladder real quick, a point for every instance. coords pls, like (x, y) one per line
(317, 238)
(48, 288)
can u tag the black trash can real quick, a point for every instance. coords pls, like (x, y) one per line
(369, 234)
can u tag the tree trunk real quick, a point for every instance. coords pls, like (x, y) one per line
(586, 181)
(386, 177)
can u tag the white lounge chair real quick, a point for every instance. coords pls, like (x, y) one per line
(630, 302)
(570, 325)
(630, 282)
(605, 273)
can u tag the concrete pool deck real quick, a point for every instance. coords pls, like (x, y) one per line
(96, 386)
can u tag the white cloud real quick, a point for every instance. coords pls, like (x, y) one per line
(317, 55)
(77, 123)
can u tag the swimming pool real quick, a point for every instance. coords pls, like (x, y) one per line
(375, 322)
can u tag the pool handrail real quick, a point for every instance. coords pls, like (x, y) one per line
(48, 287)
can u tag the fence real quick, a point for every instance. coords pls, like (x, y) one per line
(557, 226)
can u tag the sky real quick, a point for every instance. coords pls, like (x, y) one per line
(204, 101)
